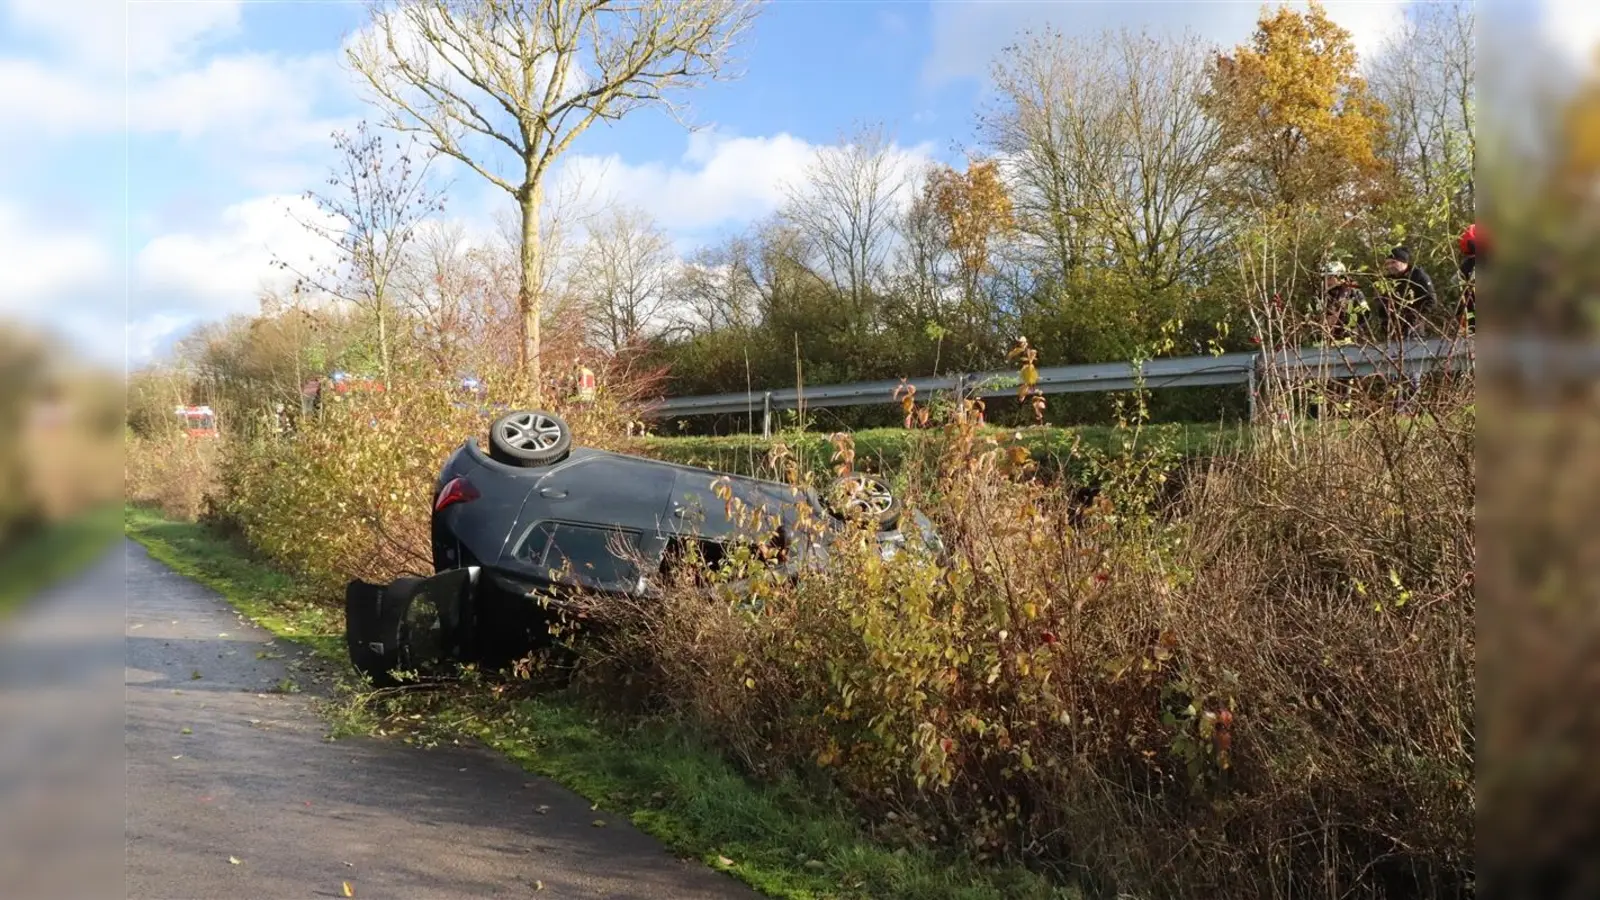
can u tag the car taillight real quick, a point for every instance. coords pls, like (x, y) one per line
(459, 490)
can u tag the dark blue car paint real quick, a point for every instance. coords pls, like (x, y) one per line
(490, 615)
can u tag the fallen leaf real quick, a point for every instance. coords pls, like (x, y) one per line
(234, 860)
(538, 885)
(724, 861)
(348, 890)
(599, 823)
(188, 731)
(179, 756)
(541, 810)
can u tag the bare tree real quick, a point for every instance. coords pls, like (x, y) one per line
(441, 294)
(1424, 77)
(623, 276)
(1110, 154)
(924, 262)
(528, 77)
(846, 206)
(714, 289)
(371, 215)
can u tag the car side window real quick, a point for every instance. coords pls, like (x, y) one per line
(534, 546)
(599, 557)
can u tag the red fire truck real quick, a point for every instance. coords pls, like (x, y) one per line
(198, 421)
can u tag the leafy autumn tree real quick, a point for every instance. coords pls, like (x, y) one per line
(976, 209)
(1301, 128)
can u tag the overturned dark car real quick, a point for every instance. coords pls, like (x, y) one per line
(536, 523)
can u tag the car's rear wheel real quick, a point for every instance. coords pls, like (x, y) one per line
(864, 498)
(529, 437)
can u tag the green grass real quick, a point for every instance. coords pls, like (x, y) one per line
(784, 839)
(1058, 450)
(56, 551)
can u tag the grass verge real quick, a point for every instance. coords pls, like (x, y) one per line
(54, 552)
(1058, 450)
(785, 839)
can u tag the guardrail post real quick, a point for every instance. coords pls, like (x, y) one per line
(766, 416)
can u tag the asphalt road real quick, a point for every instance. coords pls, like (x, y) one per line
(234, 791)
(61, 716)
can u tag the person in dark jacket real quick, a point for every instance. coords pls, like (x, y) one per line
(1407, 294)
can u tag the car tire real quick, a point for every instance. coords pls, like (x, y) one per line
(529, 437)
(864, 498)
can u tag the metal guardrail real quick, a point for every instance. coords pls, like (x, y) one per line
(1351, 361)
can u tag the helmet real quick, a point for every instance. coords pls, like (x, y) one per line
(1334, 269)
(1469, 243)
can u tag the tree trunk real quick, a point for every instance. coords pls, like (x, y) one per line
(529, 295)
(383, 338)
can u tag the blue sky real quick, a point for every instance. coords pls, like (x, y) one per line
(229, 106)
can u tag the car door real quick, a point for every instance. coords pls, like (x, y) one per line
(696, 509)
(604, 489)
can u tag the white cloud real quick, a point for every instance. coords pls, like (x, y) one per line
(155, 69)
(46, 267)
(720, 180)
(221, 268)
(1573, 26)
(249, 98)
(63, 281)
(108, 35)
(41, 101)
(145, 338)
(968, 35)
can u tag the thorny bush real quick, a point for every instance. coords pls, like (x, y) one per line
(172, 472)
(1262, 688)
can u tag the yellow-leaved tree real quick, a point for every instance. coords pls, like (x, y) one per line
(1301, 129)
(976, 210)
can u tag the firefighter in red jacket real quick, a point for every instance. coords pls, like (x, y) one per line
(1471, 246)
